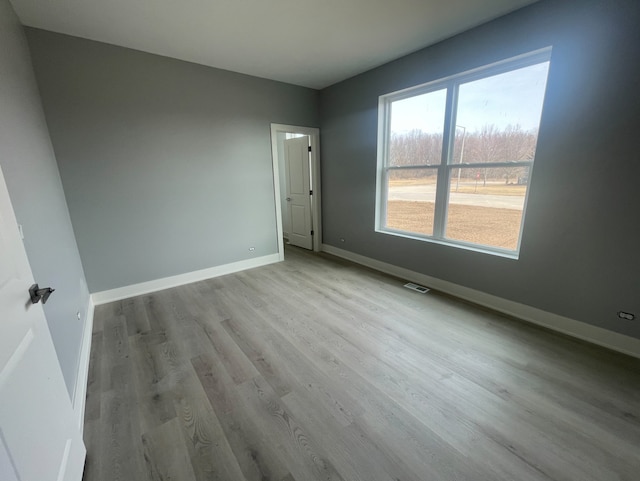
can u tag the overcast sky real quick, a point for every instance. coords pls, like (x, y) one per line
(510, 98)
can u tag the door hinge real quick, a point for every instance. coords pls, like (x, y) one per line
(309, 148)
(311, 192)
(311, 232)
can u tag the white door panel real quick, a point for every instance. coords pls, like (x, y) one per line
(6, 465)
(296, 171)
(299, 221)
(39, 439)
(299, 191)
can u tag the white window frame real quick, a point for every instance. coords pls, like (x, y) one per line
(451, 84)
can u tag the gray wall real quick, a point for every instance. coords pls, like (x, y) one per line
(33, 181)
(166, 164)
(580, 252)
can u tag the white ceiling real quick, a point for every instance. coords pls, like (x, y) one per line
(313, 43)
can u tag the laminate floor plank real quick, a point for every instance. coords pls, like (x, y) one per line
(93, 437)
(166, 454)
(262, 355)
(239, 367)
(115, 354)
(94, 378)
(258, 457)
(171, 315)
(120, 456)
(210, 453)
(136, 315)
(276, 351)
(318, 369)
(154, 395)
(352, 452)
(296, 446)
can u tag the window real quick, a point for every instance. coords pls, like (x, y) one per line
(455, 156)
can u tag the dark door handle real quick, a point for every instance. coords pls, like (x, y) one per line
(38, 294)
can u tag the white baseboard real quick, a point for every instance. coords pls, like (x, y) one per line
(80, 389)
(578, 329)
(133, 290)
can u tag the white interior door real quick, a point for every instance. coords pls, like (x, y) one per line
(296, 158)
(39, 440)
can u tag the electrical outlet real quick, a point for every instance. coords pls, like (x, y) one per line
(627, 316)
(252, 248)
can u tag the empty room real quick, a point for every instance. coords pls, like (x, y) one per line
(302, 240)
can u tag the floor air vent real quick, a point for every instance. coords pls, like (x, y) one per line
(416, 287)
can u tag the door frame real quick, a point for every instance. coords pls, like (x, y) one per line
(316, 201)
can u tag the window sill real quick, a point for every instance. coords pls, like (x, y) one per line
(507, 254)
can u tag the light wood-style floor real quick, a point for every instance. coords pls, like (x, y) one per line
(317, 369)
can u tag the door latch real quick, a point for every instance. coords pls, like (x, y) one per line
(37, 294)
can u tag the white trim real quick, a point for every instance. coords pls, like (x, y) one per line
(82, 374)
(65, 461)
(133, 290)
(578, 329)
(276, 191)
(501, 66)
(316, 207)
(317, 192)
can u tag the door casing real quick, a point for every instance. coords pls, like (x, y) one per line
(316, 204)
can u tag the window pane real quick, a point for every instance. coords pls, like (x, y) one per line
(498, 117)
(411, 196)
(416, 128)
(486, 205)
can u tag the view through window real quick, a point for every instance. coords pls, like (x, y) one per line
(455, 155)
